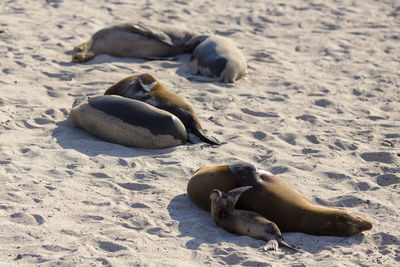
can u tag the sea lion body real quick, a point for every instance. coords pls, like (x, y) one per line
(218, 57)
(136, 41)
(145, 87)
(244, 222)
(129, 122)
(275, 200)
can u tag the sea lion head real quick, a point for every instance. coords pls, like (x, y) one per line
(345, 224)
(218, 198)
(81, 53)
(219, 202)
(247, 173)
(136, 86)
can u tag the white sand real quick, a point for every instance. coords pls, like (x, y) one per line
(323, 91)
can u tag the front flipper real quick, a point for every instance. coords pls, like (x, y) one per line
(151, 33)
(234, 195)
(247, 173)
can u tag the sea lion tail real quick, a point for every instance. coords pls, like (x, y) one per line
(199, 133)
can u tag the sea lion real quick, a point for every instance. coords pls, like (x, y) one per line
(137, 41)
(129, 122)
(275, 200)
(218, 57)
(145, 87)
(244, 222)
(205, 179)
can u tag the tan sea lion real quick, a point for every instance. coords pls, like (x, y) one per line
(136, 41)
(129, 122)
(275, 200)
(145, 87)
(244, 222)
(218, 57)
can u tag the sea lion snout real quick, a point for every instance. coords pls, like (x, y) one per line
(215, 193)
(361, 223)
(80, 53)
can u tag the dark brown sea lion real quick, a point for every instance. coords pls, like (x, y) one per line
(136, 41)
(218, 57)
(244, 222)
(275, 200)
(145, 87)
(129, 122)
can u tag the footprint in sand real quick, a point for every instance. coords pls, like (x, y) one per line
(110, 246)
(336, 176)
(27, 219)
(310, 118)
(134, 186)
(387, 179)
(383, 157)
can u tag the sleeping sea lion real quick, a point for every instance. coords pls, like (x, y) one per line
(275, 200)
(218, 57)
(145, 87)
(129, 122)
(136, 41)
(244, 222)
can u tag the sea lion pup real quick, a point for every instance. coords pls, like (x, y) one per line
(145, 87)
(275, 200)
(218, 57)
(136, 41)
(129, 122)
(244, 222)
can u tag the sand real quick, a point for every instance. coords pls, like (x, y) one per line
(319, 108)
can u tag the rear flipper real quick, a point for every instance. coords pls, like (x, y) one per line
(271, 245)
(199, 133)
(284, 244)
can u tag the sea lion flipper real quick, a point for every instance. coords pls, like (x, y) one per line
(271, 245)
(191, 44)
(199, 132)
(152, 33)
(194, 127)
(247, 172)
(286, 245)
(236, 193)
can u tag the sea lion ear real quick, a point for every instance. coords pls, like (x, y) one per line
(145, 84)
(236, 193)
(152, 33)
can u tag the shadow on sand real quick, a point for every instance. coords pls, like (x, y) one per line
(198, 224)
(70, 137)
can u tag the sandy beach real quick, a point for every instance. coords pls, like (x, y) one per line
(319, 107)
